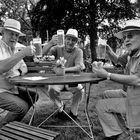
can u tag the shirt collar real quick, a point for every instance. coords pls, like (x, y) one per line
(135, 53)
(9, 48)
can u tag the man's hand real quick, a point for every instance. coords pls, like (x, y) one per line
(29, 50)
(54, 40)
(97, 68)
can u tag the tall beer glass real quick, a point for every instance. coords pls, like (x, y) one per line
(60, 34)
(38, 46)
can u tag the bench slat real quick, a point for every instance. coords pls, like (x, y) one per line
(9, 135)
(36, 129)
(4, 137)
(18, 132)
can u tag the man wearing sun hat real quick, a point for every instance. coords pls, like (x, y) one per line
(74, 63)
(129, 106)
(16, 101)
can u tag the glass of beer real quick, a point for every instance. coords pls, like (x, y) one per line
(38, 46)
(60, 34)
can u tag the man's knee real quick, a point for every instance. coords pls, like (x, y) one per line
(100, 106)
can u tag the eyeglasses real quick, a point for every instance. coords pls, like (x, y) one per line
(128, 36)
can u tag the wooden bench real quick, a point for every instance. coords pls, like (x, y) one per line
(20, 131)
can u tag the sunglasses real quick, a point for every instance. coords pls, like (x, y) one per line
(130, 35)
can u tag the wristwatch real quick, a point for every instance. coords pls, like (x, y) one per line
(108, 76)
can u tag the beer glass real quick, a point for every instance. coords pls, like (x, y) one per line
(101, 53)
(38, 46)
(60, 34)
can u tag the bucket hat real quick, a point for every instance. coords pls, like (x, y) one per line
(131, 25)
(72, 33)
(13, 25)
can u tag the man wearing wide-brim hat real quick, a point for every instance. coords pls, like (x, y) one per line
(129, 106)
(15, 101)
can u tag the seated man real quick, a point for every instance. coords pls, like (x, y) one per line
(17, 102)
(130, 105)
(74, 57)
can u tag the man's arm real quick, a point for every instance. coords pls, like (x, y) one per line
(7, 64)
(50, 44)
(116, 59)
(113, 57)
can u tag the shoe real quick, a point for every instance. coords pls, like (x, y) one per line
(73, 116)
(60, 115)
(112, 138)
(123, 136)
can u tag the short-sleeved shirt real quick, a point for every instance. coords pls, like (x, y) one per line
(5, 52)
(133, 92)
(75, 58)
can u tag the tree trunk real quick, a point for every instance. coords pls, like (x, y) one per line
(93, 30)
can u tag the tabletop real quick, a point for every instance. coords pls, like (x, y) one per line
(36, 79)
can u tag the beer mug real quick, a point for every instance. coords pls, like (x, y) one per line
(60, 34)
(101, 51)
(38, 46)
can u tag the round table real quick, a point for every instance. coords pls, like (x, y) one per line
(41, 79)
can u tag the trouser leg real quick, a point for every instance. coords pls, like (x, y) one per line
(17, 105)
(54, 94)
(78, 94)
(115, 93)
(105, 108)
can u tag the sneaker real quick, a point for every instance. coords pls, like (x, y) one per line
(112, 138)
(123, 136)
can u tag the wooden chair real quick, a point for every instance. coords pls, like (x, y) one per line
(20, 131)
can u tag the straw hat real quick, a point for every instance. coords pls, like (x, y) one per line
(72, 33)
(13, 25)
(131, 25)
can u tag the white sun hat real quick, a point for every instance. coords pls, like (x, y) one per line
(13, 25)
(73, 33)
(131, 25)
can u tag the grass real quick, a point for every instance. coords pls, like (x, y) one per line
(45, 107)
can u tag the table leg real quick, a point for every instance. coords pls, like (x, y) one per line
(33, 105)
(86, 111)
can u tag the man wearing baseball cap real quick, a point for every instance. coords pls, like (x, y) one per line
(129, 106)
(16, 102)
(74, 63)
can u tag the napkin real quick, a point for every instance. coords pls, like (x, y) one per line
(34, 78)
